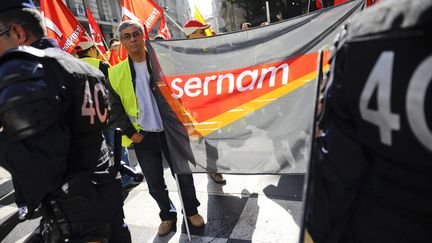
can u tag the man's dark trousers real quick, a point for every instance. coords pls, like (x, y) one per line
(149, 155)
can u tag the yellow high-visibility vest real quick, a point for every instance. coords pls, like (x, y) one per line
(92, 61)
(120, 78)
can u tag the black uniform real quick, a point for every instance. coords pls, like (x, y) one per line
(374, 181)
(53, 109)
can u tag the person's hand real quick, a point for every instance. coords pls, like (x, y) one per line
(137, 138)
(245, 26)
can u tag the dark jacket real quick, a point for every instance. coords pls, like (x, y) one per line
(118, 117)
(46, 135)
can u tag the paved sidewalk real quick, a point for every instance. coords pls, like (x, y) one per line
(247, 209)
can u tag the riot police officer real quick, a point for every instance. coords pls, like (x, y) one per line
(52, 111)
(373, 183)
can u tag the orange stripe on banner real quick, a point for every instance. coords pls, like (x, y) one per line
(230, 117)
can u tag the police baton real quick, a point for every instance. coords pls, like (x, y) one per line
(121, 166)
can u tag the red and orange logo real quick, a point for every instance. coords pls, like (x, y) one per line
(206, 102)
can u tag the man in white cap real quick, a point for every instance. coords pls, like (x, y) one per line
(195, 29)
(86, 51)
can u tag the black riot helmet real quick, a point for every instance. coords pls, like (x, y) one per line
(14, 4)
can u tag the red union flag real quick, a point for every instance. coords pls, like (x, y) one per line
(61, 24)
(123, 54)
(95, 32)
(319, 4)
(337, 2)
(163, 29)
(144, 11)
(114, 59)
(371, 2)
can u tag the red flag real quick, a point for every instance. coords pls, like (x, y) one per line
(146, 34)
(371, 2)
(114, 59)
(146, 12)
(337, 2)
(319, 4)
(163, 29)
(122, 53)
(61, 24)
(95, 32)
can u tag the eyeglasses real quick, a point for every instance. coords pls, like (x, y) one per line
(128, 36)
(5, 30)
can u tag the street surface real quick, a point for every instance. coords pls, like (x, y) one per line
(249, 208)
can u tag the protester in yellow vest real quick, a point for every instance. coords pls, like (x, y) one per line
(135, 111)
(87, 52)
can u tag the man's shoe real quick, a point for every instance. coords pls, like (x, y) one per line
(165, 227)
(196, 220)
(218, 178)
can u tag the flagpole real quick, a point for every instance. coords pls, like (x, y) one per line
(173, 21)
(182, 204)
(103, 40)
(89, 14)
(268, 11)
(311, 166)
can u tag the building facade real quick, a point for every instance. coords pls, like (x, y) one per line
(177, 12)
(225, 15)
(106, 12)
(228, 15)
(108, 15)
(236, 12)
